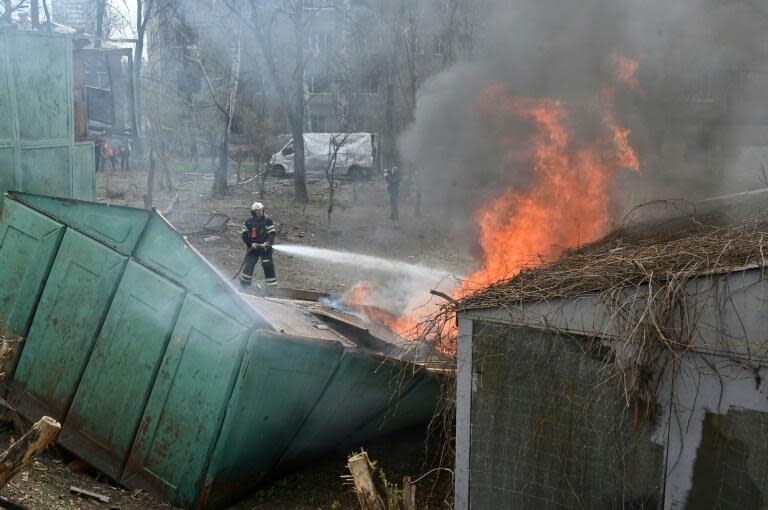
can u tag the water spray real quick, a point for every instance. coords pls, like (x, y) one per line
(360, 260)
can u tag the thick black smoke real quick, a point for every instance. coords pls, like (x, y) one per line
(699, 125)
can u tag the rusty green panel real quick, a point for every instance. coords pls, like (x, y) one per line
(297, 370)
(116, 226)
(28, 245)
(6, 114)
(121, 370)
(414, 407)
(83, 172)
(163, 249)
(76, 298)
(6, 171)
(361, 389)
(41, 70)
(183, 416)
(45, 171)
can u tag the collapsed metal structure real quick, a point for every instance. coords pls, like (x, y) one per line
(164, 376)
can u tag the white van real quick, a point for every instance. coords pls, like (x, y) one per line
(356, 157)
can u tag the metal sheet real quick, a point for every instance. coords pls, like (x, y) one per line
(7, 163)
(163, 249)
(36, 117)
(83, 176)
(6, 117)
(121, 370)
(41, 70)
(186, 407)
(296, 369)
(28, 245)
(361, 389)
(73, 305)
(415, 406)
(45, 171)
(116, 226)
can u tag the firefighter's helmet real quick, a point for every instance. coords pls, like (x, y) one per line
(257, 206)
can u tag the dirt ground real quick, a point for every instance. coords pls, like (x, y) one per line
(359, 223)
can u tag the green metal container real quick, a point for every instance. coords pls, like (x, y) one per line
(164, 376)
(129, 349)
(38, 153)
(29, 242)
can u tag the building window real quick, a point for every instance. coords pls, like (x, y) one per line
(317, 41)
(318, 85)
(439, 45)
(317, 123)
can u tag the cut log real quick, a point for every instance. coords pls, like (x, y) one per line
(360, 469)
(22, 453)
(409, 494)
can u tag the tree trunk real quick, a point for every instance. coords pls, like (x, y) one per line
(22, 453)
(220, 181)
(409, 494)
(297, 124)
(148, 197)
(137, 63)
(99, 22)
(360, 469)
(34, 7)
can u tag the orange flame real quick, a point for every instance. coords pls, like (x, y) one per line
(568, 204)
(625, 72)
(363, 298)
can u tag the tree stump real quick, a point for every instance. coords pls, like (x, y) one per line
(22, 453)
(360, 468)
(409, 494)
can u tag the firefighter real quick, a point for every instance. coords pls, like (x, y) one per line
(259, 236)
(393, 188)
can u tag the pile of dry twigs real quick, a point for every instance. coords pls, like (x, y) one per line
(661, 258)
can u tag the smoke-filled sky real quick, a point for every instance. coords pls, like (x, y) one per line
(694, 124)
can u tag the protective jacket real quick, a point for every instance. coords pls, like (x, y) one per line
(259, 230)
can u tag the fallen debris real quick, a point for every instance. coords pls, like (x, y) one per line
(22, 453)
(169, 210)
(216, 223)
(10, 505)
(89, 494)
(360, 468)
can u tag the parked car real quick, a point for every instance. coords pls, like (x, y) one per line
(356, 157)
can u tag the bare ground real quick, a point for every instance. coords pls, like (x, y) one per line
(359, 223)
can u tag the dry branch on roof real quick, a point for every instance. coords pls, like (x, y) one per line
(659, 262)
(624, 259)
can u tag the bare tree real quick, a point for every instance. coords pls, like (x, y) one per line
(337, 142)
(264, 23)
(8, 8)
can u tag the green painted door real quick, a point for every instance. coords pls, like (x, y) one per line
(297, 370)
(28, 244)
(116, 226)
(361, 389)
(185, 410)
(40, 67)
(163, 249)
(73, 305)
(127, 356)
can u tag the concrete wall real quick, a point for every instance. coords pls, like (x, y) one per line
(546, 434)
(527, 361)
